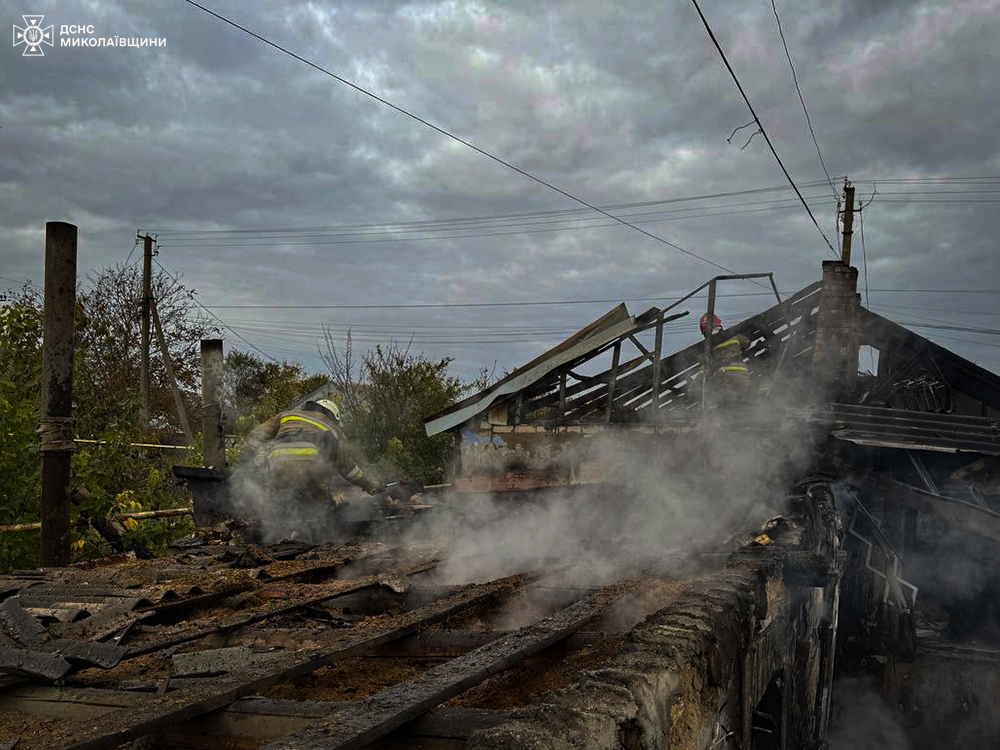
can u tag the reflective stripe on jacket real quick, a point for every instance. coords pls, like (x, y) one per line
(293, 452)
(728, 357)
(304, 436)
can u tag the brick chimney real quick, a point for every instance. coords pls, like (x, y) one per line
(835, 352)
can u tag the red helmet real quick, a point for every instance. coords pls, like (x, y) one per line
(716, 323)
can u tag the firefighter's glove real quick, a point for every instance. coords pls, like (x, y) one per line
(373, 488)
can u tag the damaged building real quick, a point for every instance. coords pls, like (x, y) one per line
(619, 561)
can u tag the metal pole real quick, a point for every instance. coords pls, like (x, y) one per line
(211, 403)
(706, 367)
(56, 421)
(848, 223)
(147, 297)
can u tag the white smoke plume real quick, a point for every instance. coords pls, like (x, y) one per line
(665, 499)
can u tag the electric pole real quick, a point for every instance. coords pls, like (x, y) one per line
(147, 304)
(848, 222)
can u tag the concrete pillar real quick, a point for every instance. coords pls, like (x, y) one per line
(56, 421)
(211, 403)
(835, 352)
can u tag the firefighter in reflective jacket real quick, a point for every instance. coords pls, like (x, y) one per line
(303, 449)
(729, 382)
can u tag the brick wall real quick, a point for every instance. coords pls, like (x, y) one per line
(835, 353)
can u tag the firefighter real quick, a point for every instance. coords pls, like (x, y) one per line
(304, 448)
(729, 382)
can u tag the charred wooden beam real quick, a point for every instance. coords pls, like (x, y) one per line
(245, 724)
(154, 713)
(432, 644)
(199, 629)
(967, 516)
(367, 721)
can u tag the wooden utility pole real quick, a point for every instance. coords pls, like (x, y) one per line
(55, 427)
(147, 302)
(211, 403)
(845, 256)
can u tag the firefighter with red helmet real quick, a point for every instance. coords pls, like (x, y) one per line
(729, 379)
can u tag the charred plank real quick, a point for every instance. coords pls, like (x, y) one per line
(375, 717)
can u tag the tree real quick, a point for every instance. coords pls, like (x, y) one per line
(256, 390)
(118, 475)
(385, 403)
(108, 341)
(20, 384)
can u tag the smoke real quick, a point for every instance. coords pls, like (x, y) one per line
(275, 512)
(664, 499)
(861, 720)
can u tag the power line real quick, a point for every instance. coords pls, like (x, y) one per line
(128, 257)
(220, 238)
(929, 200)
(945, 178)
(390, 236)
(795, 78)
(864, 255)
(464, 142)
(209, 311)
(965, 329)
(463, 225)
(939, 291)
(942, 310)
(989, 344)
(447, 305)
(494, 217)
(473, 304)
(763, 132)
(22, 282)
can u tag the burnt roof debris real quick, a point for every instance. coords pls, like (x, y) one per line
(925, 386)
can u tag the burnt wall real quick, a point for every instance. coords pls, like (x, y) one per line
(947, 697)
(741, 660)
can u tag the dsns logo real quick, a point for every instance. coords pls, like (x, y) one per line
(33, 36)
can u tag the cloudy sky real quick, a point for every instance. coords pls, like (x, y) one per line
(357, 206)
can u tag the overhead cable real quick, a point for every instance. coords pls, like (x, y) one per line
(802, 100)
(464, 142)
(220, 320)
(497, 217)
(763, 132)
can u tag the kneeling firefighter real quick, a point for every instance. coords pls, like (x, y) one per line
(304, 447)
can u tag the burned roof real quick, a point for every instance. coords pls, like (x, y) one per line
(914, 374)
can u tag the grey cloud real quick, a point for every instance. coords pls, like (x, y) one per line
(615, 103)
